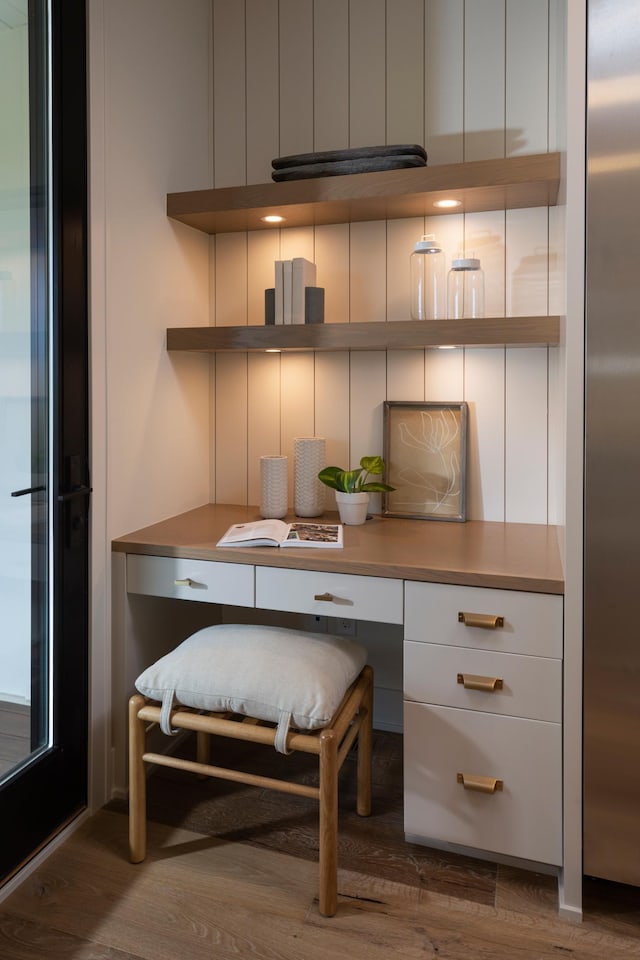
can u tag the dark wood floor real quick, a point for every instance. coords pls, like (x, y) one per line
(231, 873)
(14, 734)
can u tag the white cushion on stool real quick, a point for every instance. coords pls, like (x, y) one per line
(271, 673)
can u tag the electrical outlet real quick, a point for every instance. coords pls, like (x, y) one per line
(345, 627)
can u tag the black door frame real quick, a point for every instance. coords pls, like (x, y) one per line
(50, 790)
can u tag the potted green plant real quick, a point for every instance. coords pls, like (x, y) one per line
(354, 486)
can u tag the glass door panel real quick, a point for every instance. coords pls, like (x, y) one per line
(24, 475)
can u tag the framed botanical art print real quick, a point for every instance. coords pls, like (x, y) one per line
(425, 451)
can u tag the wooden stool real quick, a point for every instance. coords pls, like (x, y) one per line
(350, 722)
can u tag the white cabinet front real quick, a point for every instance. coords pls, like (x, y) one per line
(203, 580)
(503, 683)
(330, 594)
(484, 781)
(506, 620)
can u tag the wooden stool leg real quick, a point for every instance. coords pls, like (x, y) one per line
(365, 749)
(137, 783)
(203, 751)
(328, 823)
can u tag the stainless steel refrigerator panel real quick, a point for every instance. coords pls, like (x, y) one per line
(612, 464)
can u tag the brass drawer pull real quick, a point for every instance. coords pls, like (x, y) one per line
(187, 582)
(324, 596)
(472, 682)
(486, 620)
(481, 784)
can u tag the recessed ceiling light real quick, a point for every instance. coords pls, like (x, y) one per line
(272, 350)
(273, 218)
(446, 204)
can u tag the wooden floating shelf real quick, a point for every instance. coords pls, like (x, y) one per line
(392, 335)
(503, 184)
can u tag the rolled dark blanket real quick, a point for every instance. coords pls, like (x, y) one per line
(351, 153)
(339, 168)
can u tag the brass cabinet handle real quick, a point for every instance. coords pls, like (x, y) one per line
(470, 781)
(324, 596)
(472, 682)
(183, 583)
(486, 620)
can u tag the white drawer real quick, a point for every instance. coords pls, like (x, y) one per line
(203, 580)
(353, 597)
(532, 621)
(531, 686)
(522, 820)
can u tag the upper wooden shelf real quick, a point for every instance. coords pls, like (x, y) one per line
(393, 335)
(505, 184)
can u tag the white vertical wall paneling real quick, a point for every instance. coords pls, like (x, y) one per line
(405, 374)
(527, 262)
(526, 436)
(263, 415)
(368, 389)
(229, 116)
(557, 261)
(368, 258)
(297, 242)
(231, 428)
(405, 71)
(484, 237)
(346, 71)
(262, 85)
(484, 392)
(296, 76)
(527, 77)
(444, 374)
(212, 281)
(297, 404)
(557, 438)
(332, 409)
(212, 428)
(401, 238)
(332, 252)
(444, 81)
(557, 136)
(367, 72)
(484, 79)
(331, 74)
(231, 279)
(263, 248)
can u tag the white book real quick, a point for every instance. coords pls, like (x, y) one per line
(287, 274)
(279, 294)
(303, 275)
(277, 533)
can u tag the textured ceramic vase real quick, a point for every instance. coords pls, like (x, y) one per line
(274, 487)
(309, 459)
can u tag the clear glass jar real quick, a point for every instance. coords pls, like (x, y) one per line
(465, 289)
(428, 278)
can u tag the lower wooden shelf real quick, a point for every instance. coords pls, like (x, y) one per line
(392, 335)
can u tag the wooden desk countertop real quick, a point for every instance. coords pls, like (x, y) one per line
(511, 556)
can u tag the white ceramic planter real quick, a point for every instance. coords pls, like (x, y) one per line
(352, 507)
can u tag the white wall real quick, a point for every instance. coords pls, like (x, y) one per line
(150, 126)
(15, 369)
(469, 81)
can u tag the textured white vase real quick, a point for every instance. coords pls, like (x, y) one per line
(309, 459)
(274, 487)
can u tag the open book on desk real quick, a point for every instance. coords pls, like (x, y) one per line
(277, 533)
